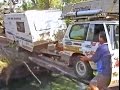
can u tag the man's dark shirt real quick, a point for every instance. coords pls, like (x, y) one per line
(102, 58)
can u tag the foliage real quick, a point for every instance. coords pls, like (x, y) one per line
(4, 62)
(56, 4)
(41, 4)
(24, 6)
(46, 4)
(27, 6)
(63, 83)
(68, 21)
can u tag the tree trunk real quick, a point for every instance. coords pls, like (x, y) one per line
(34, 2)
(47, 4)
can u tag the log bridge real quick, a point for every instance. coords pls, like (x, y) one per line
(57, 67)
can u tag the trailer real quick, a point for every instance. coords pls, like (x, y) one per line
(56, 67)
(33, 28)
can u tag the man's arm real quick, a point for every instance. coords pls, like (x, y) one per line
(94, 58)
(85, 58)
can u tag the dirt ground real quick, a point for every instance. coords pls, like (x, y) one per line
(3, 40)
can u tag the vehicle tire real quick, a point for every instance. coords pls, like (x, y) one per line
(82, 69)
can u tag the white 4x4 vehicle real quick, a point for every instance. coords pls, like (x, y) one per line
(81, 38)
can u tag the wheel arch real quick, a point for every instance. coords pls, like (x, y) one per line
(71, 62)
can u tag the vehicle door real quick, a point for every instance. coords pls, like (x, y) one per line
(114, 50)
(75, 37)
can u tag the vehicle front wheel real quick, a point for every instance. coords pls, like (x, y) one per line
(82, 69)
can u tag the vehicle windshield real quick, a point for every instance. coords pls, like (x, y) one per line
(113, 30)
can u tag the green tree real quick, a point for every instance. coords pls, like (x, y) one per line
(46, 4)
(56, 4)
(27, 6)
(43, 4)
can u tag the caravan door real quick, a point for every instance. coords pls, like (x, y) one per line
(23, 34)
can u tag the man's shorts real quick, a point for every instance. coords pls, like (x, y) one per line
(101, 81)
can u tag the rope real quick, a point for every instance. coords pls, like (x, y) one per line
(32, 72)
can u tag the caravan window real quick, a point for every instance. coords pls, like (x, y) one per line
(79, 31)
(20, 27)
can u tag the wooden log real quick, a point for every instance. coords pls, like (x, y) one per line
(49, 64)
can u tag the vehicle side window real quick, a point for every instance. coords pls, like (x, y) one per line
(90, 32)
(93, 33)
(78, 32)
(114, 35)
(20, 27)
(98, 29)
(117, 37)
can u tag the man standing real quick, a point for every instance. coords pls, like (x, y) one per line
(102, 58)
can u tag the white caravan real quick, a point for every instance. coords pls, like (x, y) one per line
(32, 28)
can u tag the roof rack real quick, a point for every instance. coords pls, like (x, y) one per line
(92, 17)
(97, 17)
(92, 10)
